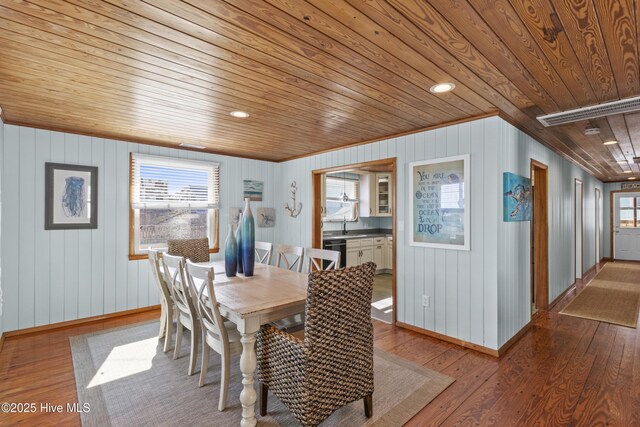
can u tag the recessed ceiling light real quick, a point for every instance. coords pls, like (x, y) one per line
(627, 171)
(610, 142)
(239, 114)
(631, 178)
(442, 87)
(622, 162)
(199, 147)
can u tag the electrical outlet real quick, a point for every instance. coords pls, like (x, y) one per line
(426, 301)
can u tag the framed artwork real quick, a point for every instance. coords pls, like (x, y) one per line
(266, 217)
(70, 196)
(253, 190)
(516, 192)
(439, 206)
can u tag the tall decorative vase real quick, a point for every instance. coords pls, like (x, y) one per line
(239, 244)
(248, 239)
(230, 254)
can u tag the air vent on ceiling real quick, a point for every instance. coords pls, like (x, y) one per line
(636, 160)
(607, 109)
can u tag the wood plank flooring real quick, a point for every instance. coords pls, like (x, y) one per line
(564, 371)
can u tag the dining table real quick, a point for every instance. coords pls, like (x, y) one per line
(271, 294)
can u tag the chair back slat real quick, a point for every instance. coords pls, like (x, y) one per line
(264, 251)
(315, 258)
(180, 290)
(290, 256)
(200, 279)
(155, 260)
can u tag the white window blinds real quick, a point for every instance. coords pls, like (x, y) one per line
(342, 189)
(168, 183)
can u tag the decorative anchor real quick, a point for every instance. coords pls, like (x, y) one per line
(296, 209)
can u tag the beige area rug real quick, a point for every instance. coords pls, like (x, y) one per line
(613, 296)
(128, 381)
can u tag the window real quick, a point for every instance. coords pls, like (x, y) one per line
(172, 199)
(629, 212)
(342, 197)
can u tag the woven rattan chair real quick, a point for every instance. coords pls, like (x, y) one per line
(333, 365)
(167, 307)
(186, 311)
(196, 250)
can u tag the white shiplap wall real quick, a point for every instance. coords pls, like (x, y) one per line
(480, 296)
(515, 153)
(60, 275)
(461, 307)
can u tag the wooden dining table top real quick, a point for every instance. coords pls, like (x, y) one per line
(270, 288)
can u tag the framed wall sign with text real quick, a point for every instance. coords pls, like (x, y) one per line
(439, 211)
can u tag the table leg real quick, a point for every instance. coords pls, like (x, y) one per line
(248, 364)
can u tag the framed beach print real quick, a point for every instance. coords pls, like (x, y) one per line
(439, 206)
(70, 196)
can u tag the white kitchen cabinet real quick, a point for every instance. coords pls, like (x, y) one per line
(388, 258)
(378, 256)
(367, 195)
(366, 254)
(353, 257)
(383, 190)
(359, 251)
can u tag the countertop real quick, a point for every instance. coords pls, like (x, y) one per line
(356, 234)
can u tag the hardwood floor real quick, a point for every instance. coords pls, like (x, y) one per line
(563, 371)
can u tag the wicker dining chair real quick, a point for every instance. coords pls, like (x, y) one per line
(167, 307)
(333, 365)
(186, 311)
(196, 250)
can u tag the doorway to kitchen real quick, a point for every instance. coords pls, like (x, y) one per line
(354, 208)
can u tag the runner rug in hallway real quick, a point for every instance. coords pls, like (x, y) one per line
(128, 381)
(613, 296)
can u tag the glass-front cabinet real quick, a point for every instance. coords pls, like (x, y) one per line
(383, 194)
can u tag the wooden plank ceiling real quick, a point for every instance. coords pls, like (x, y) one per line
(317, 75)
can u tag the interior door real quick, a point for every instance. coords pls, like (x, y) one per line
(578, 230)
(626, 226)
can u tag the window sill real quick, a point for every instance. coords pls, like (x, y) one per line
(137, 257)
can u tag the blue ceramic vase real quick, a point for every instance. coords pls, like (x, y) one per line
(230, 254)
(239, 244)
(248, 239)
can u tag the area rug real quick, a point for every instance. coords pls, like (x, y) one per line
(126, 380)
(613, 296)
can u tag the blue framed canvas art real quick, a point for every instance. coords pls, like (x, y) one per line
(516, 197)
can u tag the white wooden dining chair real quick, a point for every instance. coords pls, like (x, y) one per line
(167, 307)
(289, 257)
(315, 258)
(187, 314)
(264, 251)
(218, 333)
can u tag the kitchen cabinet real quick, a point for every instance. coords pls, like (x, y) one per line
(359, 251)
(378, 256)
(383, 194)
(388, 256)
(367, 196)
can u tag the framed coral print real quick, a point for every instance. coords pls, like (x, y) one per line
(70, 197)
